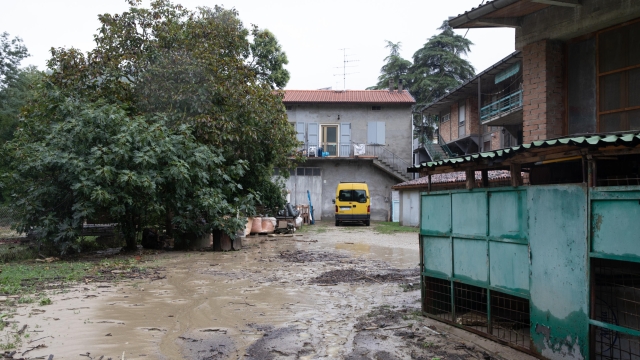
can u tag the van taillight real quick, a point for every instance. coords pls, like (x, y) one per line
(336, 208)
(368, 208)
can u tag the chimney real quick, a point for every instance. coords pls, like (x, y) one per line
(399, 85)
(391, 85)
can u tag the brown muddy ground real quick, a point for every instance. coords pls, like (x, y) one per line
(335, 293)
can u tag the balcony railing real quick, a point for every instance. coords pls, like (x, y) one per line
(504, 105)
(351, 149)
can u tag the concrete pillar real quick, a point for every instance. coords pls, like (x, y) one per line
(543, 95)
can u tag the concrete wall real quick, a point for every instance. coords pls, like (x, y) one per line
(410, 207)
(398, 131)
(334, 171)
(564, 23)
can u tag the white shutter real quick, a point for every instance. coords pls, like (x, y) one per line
(345, 139)
(380, 132)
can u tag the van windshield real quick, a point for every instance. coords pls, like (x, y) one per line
(353, 195)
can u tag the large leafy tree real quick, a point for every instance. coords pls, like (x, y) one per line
(195, 73)
(395, 67)
(14, 96)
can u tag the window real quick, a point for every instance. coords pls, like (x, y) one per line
(289, 107)
(375, 132)
(446, 117)
(301, 171)
(353, 195)
(462, 113)
(619, 78)
(376, 108)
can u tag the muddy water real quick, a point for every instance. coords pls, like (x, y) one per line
(246, 304)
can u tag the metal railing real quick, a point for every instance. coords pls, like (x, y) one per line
(434, 153)
(445, 147)
(352, 149)
(501, 106)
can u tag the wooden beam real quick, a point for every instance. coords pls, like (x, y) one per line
(516, 175)
(512, 22)
(485, 178)
(429, 184)
(566, 3)
(471, 179)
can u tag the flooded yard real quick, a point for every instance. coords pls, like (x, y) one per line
(336, 293)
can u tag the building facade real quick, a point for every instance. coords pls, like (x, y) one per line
(351, 135)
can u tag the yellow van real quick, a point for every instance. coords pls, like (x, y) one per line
(352, 203)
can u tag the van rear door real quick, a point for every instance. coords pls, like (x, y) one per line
(345, 199)
(360, 200)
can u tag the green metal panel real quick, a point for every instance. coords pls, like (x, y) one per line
(436, 214)
(437, 255)
(506, 214)
(509, 267)
(615, 226)
(469, 212)
(470, 260)
(559, 280)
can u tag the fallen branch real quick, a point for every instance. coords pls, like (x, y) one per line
(244, 303)
(35, 347)
(32, 341)
(433, 331)
(396, 328)
(21, 331)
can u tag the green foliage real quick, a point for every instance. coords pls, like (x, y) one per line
(269, 59)
(14, 96)
(12, 52)
(94, 159)
(437, 68)
(172, 116)
(44, 301)
(396, 68)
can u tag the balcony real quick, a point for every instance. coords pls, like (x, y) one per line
(379, 153)
(505, 111)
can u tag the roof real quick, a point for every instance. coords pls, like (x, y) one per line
(496, 13)
(470, 87)
(449, 178)
(348, 96)
(498, 157)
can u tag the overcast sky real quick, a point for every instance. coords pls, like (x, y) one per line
(310, 32)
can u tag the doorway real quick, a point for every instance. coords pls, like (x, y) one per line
(329, 140)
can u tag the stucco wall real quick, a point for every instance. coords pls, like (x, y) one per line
(334, 171)
(398, 134)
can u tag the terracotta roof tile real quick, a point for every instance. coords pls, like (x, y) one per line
(454, 177)
(348, 96)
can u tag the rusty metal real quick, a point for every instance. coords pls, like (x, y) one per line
(510, 318)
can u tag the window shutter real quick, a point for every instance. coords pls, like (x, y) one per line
(313, 134)
(371, 132)
(300, 131)
(380, 132)
(345, 139)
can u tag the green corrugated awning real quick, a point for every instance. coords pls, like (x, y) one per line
(595, 140)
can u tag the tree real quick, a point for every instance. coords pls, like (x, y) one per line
(12, 52)
(438, 67)
(89, 159)
(395, 68)
(193, 73)
(14, 96)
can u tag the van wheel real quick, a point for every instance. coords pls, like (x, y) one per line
(368, 222)
(337, 223)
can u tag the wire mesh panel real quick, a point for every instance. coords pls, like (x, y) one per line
(437, 297)
(510, 319)
(617, 302)
(471, 306)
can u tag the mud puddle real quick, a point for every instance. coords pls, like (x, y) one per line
(282, 299)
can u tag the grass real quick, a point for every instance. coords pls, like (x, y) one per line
(392, 227)
(28, 278)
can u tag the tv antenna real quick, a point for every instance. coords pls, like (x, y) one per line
(344, 67)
